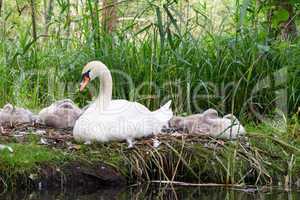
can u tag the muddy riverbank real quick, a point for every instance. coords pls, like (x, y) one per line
(49, 158)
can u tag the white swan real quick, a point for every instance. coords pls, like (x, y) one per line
(107, 119)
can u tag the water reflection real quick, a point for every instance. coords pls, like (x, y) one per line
(159, 192)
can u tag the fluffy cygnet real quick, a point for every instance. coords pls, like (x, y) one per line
(5, 114)
(195, 124)
(227, 127)
(61, 114)
(208, 123)
(13, 115)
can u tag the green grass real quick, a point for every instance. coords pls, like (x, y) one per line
(218, 72)
(219, 69)
(20, 168)
(28, 156)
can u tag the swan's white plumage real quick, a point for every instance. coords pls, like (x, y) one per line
(107, 120)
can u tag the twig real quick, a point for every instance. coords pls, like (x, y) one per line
(197, 184)
(4, 186)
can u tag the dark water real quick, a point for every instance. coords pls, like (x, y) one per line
(163, 192)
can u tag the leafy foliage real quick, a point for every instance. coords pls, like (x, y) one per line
(209, 63)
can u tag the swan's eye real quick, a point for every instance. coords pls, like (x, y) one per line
(85, 79)
(86, 74)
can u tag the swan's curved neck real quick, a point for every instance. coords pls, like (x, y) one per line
(105, 92)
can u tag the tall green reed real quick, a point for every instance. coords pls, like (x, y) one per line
(164, 60)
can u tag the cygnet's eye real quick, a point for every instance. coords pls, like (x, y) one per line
(67, 106)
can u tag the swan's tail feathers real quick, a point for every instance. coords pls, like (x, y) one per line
(165, 112)
(167, 106)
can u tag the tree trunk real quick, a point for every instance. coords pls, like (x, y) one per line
(1, 3)
(109, 15)
(33, 20)
(289, 27)
(48, 16)
(68, 21)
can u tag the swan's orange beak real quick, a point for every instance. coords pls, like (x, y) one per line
(85, 81)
